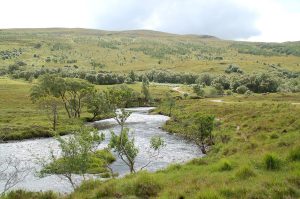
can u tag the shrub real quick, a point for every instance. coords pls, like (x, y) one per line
(294, 154)
(233, 69)
(212, 92)
(106, 189)
(242, 89)
(208, 194)
(245, 173)
(274, 136)
(21, 194)
(146, 186)
(225, 165)
(271, 162)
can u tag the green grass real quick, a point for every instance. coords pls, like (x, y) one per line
(21, 119)
(141, 51)
(237, 168)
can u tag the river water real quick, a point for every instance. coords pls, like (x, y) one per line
(143, 126)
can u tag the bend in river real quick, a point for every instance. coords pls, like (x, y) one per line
(143, 126)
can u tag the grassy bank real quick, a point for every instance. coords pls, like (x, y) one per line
(21, 119)
(256, 154)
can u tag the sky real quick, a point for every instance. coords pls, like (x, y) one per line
(250, 20)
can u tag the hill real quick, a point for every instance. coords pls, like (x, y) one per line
(140, 50)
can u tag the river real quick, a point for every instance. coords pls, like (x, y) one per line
(143, 126)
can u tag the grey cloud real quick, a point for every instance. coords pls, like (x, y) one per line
(222, 18)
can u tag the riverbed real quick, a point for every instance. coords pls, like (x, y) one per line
(142, 126)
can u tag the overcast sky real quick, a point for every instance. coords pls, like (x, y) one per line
(252, 20)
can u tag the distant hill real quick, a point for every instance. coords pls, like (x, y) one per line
(140, 50)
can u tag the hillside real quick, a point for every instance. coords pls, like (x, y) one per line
(140, 50)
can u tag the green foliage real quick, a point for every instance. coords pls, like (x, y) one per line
(225, 165)
(294, 154)
(291, 85)
(125, 147)
(205, 79)
(156, 143)
(78, 155)
(120, 97)
(71, 91)
(233, 69)
(98, 104)
(145, 89)
(241, 89)
(245, 173)
(271, 162)
(198, 90)
(170, 102)
(21, 194)
(146, 186)
(204, 125)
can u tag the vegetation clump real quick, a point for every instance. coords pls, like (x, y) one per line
(271, 162)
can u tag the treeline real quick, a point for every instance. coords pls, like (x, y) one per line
(233, 79)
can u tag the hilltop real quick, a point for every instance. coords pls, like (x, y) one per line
(140, 50)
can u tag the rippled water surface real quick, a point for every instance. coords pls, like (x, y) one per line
(143, 126)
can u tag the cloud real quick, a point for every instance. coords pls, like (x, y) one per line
(253, 20)
(224, 19)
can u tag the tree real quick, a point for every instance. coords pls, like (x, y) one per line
(71, 91)
(120, 96)
(170, 102)
(204, 79)
(198, 90)
(49, 105)
(125, 146)
(75, 157)
(97, 104)
(132, 76)
(145, 89)
(219, 88)
(242, 89)
(204, 127)
(12, 173)
(122, 144)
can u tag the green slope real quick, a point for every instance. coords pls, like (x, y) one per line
(140, 50)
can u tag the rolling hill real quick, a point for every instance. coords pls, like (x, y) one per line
(140, 50)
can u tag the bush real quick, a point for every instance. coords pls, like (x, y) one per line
(294, 154)
(208, 194)
(21, 194)
(106, 189)
(245, 173)
(233, 69)
(274, 136)
(146, 186)
(225, 165)
(271, 162)
(242, 89)
(212, 92)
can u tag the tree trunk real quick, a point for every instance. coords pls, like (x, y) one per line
(54, 118)
(202, 148)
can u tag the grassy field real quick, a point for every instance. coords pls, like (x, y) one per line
(21, 119)
(257, 149)
(96, 50)
(251, 130)
(255, 127)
